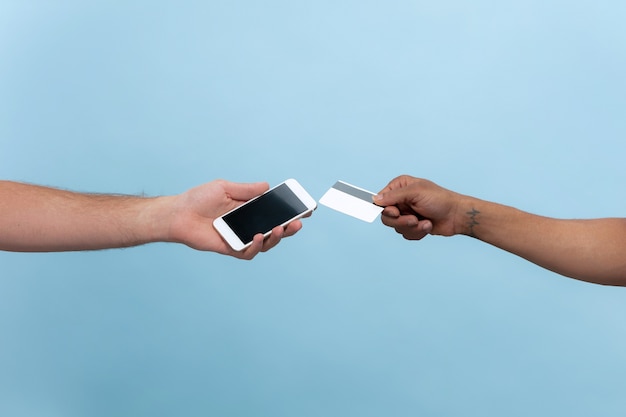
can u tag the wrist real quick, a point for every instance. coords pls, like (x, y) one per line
(156, 219)
(467, 217)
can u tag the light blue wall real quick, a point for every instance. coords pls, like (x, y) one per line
(521, 102)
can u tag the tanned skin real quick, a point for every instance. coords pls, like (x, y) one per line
(592, 250)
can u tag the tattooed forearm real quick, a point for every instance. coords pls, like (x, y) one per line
(472, 221)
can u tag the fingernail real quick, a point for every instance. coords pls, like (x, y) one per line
(378, 197)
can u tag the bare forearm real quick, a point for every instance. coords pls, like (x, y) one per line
(590, 250)
(39, 219)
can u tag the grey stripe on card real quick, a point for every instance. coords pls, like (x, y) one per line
(353, 191)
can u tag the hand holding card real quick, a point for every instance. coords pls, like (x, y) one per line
(351, 200)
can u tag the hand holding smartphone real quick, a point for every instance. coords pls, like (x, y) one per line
(278, 206)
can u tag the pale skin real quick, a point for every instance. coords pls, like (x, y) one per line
(592, 250)
(35, 218)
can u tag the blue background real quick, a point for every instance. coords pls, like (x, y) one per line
(521, 102)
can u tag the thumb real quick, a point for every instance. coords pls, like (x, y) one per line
(245, 191)
(390, 197)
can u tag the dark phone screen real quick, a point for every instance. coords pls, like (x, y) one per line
(266, 212)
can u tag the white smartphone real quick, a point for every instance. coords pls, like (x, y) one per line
(278, 206)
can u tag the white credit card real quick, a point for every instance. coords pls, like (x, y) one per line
(351, 200)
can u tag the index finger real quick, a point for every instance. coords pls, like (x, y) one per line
(252, 250)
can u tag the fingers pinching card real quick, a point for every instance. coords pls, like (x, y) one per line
(351, 200)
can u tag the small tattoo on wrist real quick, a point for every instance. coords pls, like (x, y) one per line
(472, 221)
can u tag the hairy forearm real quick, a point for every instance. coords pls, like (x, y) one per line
(590, 250)
(41, 219)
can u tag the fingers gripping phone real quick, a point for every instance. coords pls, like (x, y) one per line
(278, 206)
